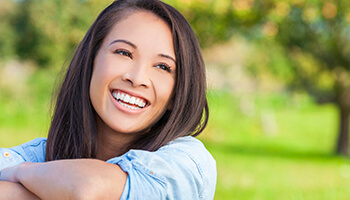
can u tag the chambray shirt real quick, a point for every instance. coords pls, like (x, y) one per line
(182, 169)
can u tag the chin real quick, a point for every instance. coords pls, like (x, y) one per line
(126, 130)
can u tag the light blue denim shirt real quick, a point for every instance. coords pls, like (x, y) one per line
(183, 169)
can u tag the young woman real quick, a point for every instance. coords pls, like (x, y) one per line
(133, 97)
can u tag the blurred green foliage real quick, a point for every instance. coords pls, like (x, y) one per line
(45, 31)
(268, 145)
(295, 162)
(305, 45)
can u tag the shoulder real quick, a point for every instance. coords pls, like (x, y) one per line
(192, 151)
(32, 151)
(190, 146)
(182, 169)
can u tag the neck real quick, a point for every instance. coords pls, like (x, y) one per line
(109, 148)
(110, 143)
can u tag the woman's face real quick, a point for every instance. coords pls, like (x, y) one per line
(134, 74)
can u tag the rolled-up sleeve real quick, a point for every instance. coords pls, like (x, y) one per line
(183, 169)
(32, 151)
(9, 158)
(142, 183)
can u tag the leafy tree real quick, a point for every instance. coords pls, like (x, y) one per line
(7, 32)
(315, 37)
(48, 31)
(306, 44)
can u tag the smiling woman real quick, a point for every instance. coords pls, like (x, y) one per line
(133, 99)
(142, 73)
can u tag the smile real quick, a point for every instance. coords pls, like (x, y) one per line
(129, 101)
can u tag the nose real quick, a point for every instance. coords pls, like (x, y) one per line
(137, 75)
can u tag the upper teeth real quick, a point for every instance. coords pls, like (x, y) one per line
(129, 99)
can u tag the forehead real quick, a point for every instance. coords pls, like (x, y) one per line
(142, 26)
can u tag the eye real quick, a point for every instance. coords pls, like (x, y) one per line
(123, 52)
(164, 67)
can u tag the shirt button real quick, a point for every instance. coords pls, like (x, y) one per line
(7, 154)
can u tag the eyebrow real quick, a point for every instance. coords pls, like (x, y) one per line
(124, 41)
(166, 56)
(135, 47)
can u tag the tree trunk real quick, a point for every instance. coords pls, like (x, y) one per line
(343, 135)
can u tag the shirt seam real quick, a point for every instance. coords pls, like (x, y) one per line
(28, 152)
(127, 166)
(199, 169)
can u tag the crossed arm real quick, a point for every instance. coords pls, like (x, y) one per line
(63, 179)
(9, 190)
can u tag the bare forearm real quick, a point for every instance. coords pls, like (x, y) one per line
(15, 191)
(73, 179)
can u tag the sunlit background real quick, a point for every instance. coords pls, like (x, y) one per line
(278, 77)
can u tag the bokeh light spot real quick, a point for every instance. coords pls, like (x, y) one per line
(243, 4)
(282, 9)
(329, 10)
(270, 29)
(310, 14)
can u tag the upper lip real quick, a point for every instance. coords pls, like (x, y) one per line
(132, 94)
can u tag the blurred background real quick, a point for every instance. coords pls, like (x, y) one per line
(278, 77)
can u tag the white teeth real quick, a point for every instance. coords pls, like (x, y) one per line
(128, 106)
(142, 104)
(126, 98)
(115, 95)
(130, 100)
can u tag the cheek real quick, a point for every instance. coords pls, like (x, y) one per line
(101, 74)
(98, 83)
(165, 88)
(94, 89)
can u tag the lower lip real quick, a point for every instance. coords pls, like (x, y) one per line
(125, 109)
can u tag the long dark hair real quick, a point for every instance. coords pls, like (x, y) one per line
(73, 130)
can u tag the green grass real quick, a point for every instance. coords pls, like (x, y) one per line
(25, 111)
(296, 161)
(267, 147)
